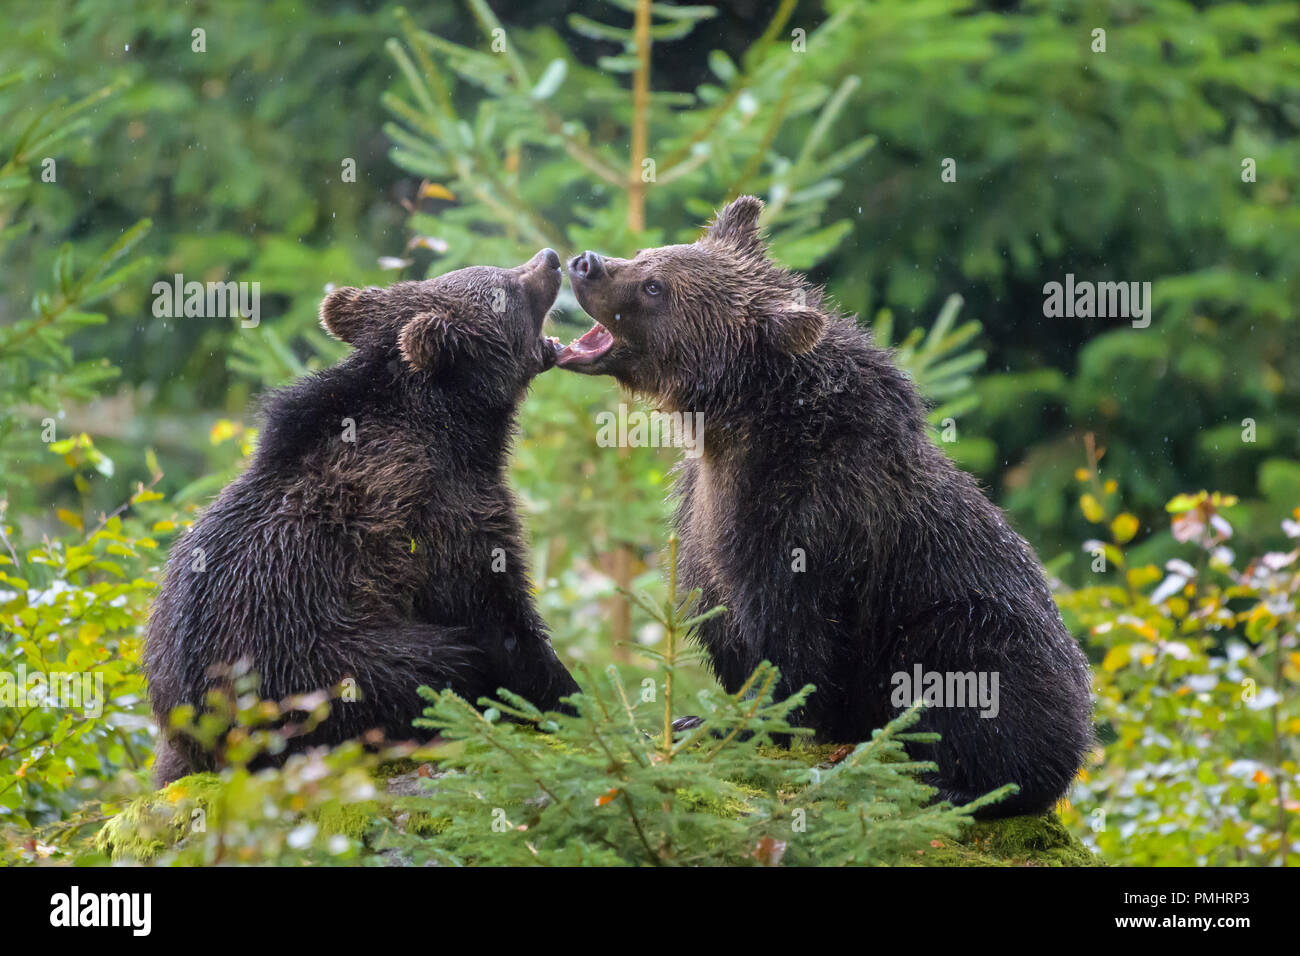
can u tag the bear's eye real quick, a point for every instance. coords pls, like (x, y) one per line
(652, 287)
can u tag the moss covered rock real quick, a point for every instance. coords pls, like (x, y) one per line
(150, 824)
(158, 821)
(1015, 841)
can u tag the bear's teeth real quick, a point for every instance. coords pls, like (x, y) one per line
(591, 345)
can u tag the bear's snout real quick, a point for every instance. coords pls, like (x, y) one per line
(587, 266)
(545, 260)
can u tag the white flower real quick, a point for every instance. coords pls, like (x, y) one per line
(300, 837)
(1266, 697)
(1168, 588)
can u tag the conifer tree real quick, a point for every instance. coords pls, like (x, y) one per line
(615, 784)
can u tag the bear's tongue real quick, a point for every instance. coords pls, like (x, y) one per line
(591, 346)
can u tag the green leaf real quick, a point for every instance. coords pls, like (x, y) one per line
(550, 80)
(804, 252)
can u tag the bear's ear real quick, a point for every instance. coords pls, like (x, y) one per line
(796, 328)
(434, 340)
(428, 341)
(344, 312)
(737, 224)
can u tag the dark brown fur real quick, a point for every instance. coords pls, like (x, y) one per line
(814, 440)
(373, 559)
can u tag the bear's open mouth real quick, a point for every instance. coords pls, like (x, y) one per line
(589, 347)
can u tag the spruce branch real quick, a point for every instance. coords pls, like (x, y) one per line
(739, 85)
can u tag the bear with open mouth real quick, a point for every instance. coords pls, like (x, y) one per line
(373, 539)
(847, 548)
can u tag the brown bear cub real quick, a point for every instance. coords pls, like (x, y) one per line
(373, 536)
(848, 550)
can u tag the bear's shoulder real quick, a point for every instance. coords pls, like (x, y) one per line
(296, 417)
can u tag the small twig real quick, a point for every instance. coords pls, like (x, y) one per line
(636, 825)
(491, 739)
(580, 151)
(764, 148)
(670, 647)
(1282, 823)
(753, 709)
(9, 547)
(124, 505)
(778, 21)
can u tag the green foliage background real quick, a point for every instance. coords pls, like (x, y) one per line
(1122, 165)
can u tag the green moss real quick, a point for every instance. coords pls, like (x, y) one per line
(1016, 841)
(420, 823)
(150, 824)
(349, 819)
(395, 768)
(729, 805)
(801, 751)
(156, 822)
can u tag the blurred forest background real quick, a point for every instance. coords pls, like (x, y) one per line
(1167, 155)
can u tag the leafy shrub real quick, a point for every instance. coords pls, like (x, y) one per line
(516, 786)
(1196, 690)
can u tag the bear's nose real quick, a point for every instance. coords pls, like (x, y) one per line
(587, 266)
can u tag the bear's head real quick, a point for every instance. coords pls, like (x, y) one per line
(673, 319)
(480, 326)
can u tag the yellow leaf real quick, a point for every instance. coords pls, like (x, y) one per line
(78, 558)
(1180, 503)
(1092, 509)
(70, 519)
(222, 430)
(1081, 474)
(435, 191)
(1124, 527)
(1141, 577)
(1115, 658)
